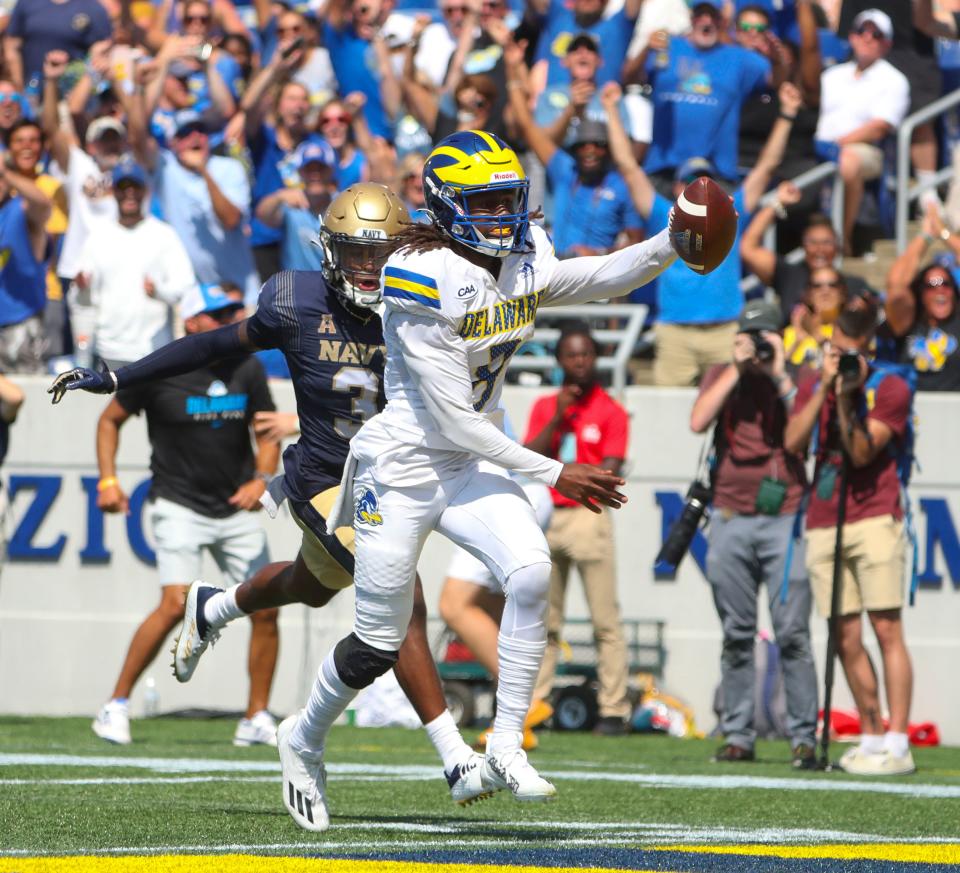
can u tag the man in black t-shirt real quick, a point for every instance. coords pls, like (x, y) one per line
(206, 485)
(790, 281)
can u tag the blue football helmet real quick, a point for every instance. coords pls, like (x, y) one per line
(472, 163)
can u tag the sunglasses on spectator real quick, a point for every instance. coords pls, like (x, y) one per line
(450, 10)
(191, 19)
(12, 98)
(831, 284)
(747, 27)
(936, 282)
(869, 30)
(294, 29)
(336, 119)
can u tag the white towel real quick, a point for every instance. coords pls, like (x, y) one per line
(273, 497)
(341, 513)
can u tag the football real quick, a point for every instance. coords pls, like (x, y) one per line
(703, 225)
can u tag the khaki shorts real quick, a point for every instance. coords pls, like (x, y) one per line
(871, 159)
(874, 553)
(328, 557)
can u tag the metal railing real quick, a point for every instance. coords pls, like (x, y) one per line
(906, 193)
(626, 338)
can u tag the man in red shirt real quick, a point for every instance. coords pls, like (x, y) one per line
(582, 423)
(867, 427)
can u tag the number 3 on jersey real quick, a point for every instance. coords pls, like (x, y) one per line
(364, 385)
(486, 375)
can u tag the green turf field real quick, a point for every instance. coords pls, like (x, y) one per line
(182, 787)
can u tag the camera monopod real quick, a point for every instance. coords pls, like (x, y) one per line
(836, 591)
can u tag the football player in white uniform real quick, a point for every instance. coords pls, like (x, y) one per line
(460, 296)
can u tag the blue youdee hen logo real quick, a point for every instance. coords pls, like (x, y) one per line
(368, 508)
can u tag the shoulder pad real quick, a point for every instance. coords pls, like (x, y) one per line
(426, 284)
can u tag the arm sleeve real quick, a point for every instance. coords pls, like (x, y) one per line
(183, 355)
(437, 361)
(582, 280)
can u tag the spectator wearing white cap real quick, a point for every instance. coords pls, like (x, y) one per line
(88, 183)
(132, 295)
(296, 211)
(861, 104)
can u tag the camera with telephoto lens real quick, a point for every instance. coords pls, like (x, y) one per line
(685, 527)
(849, 365)
(763, 347)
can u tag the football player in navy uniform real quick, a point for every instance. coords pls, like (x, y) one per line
(327, 327)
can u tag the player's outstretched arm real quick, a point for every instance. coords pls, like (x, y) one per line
(180, 356)
(599, 277)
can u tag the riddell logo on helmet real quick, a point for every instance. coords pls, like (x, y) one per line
(503, 177)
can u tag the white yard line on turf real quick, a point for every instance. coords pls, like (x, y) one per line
(410, 772)
(614, 834)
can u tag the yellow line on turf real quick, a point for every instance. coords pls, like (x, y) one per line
(920, 853)
(260, 864)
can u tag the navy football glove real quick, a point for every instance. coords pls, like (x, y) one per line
(101, 381)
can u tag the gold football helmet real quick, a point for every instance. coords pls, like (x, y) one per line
(356, 235)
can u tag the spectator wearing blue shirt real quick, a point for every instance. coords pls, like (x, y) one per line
(40, 26)
(352, 35)
(312, 67)
(592, 205)
(275, 144)
(295, 211)
(13, 106)
(24, 210)
(564, 20)
(697, 314)
(206, 199)
(698, 85)
(560, 108)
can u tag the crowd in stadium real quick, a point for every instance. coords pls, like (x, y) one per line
(233, 124)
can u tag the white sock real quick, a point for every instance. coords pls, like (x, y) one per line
(896, 744)
(222, 608)
(329, 698)
(519, 665)
(871, 744)
(446, 739)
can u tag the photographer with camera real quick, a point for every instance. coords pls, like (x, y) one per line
(855, 419)
(757, 489)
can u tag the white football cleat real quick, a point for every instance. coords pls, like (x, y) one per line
(304, 782)
(259, 730)
(877, 763)
(468, 783)
(195, 633)
(113, 723)
(513, 771)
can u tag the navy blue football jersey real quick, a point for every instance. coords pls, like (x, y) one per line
(336, 363)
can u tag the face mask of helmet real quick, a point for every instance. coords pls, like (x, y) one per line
(359, 264)
(490, 219)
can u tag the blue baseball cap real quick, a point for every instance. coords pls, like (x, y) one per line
(316, 153)
(694, 168)
(208, 298)
(129, 171)
(187, 120)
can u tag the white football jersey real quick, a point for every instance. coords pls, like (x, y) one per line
(450, 329)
